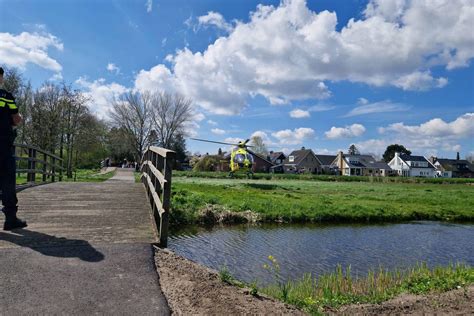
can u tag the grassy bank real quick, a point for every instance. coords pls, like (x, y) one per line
(330, 178)
(320, 201)
(329, 291)
(80, 175)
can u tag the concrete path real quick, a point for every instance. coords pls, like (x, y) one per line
(87, 250)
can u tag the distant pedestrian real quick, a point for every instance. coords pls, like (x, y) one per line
(9, 118)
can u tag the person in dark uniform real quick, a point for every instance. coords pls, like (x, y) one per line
(9, 118)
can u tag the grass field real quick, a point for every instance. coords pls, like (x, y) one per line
(81, 175)
(322, 201)
(326, 178)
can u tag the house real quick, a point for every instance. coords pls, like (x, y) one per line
(302, 161)
(260, 163)
(360, 165)
(326, 163)
(453, 168)
(412, 166)
(277, 158)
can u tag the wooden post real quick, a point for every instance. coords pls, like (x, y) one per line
(53, 169)
(45, 170)
(61, 170)
(166, 198)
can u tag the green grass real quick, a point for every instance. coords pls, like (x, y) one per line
(81, 175)
(89, 175)
(323, 201)
(331, 178)
(317, 293)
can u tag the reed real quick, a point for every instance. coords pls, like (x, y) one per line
(318, 293)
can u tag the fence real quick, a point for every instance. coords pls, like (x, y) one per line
(33, 161)
(156, 167)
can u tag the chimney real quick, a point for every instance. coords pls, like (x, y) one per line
(397, 155)
(340, 164)
(457, 156)
(302, 148)
(433, 159)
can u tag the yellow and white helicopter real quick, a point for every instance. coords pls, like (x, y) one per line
(241, 158)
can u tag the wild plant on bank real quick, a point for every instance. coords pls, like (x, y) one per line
(339, 288)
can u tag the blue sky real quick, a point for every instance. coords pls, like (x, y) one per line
(319, 74)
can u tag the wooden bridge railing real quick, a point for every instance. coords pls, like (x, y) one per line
(34, 161)
(156, 167)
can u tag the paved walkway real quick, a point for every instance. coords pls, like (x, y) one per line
(87, 250)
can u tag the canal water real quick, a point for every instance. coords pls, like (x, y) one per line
(317, 249)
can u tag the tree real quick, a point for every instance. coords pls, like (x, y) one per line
(118, 145)
(470, 157)
(178, 145)
(258, 146)
(392, 149)
(207, 163)
(353, 150)
(23, 93)
(170, 114)
(46, 117)
(132, 113)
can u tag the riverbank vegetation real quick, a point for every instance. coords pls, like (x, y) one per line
(315, 294)
(196, 200)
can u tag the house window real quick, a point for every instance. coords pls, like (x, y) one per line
(291, 158)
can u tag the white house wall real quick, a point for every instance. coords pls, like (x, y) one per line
(422, 172)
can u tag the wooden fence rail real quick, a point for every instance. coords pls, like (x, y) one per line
(33, 161)
(156, 168)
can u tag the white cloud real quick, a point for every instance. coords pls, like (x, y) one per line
(57, 77)
(377, 107)
(321, 108)
(425, 139)
(461, 127)
(211, 122)
(362, 101)
(286, 53)
(218, 131)
(19, 50)
(293, 137)
(353, 130)
(199, 117)
(158, 78)
(149, 5)
(101, 95)
(420, 81)
(265, 138)
(215, 19)
(297, 113)
(113, 68)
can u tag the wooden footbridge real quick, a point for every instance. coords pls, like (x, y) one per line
(88, 246)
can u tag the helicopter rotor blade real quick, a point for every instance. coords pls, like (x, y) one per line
(211, 141)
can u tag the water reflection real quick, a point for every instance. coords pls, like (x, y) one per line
(319, 248)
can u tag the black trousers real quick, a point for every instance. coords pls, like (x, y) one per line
(8, 177)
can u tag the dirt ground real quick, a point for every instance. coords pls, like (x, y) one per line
(455, 302)
(192, 289)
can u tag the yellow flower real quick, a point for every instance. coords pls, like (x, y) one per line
(271, 257)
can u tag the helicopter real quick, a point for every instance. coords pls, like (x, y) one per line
(241, 158)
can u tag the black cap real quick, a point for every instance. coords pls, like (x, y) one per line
(1, 71)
